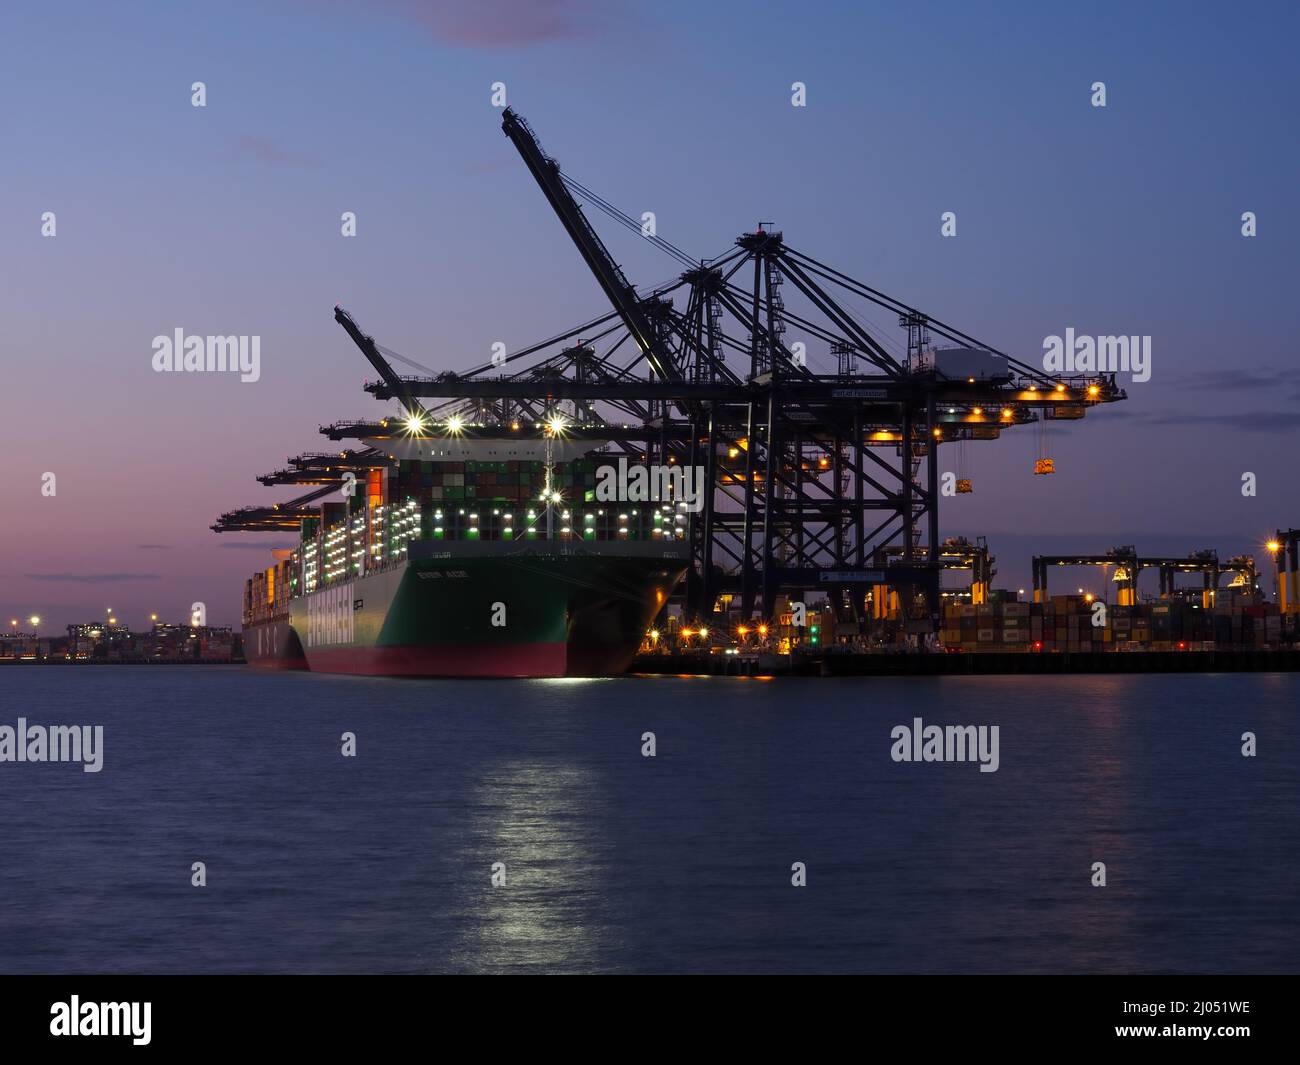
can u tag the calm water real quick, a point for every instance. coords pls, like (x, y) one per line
(615, 862)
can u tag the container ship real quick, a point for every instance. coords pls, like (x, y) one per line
(483, 557)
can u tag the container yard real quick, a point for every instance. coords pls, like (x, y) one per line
(1207, 628)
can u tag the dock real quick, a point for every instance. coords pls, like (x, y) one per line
(980, 664)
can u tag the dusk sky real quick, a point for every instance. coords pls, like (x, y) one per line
(226, 220)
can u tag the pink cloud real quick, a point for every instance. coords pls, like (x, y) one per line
(500, 23)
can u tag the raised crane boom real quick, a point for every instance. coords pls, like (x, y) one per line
(371, 352)
(546, 172)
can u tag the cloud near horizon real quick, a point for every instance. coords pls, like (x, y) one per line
(93, 578)
(1237, 379)
(1261, 421)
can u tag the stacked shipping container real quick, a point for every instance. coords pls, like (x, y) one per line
(1066, 623)
(448, 500)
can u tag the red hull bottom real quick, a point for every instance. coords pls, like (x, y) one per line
(524, 660)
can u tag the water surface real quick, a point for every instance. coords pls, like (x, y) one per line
(677, 863)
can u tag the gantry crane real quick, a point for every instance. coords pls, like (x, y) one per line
(1129, 564)
(809, 473)
(956, 553)
(635, 312)
(325, 468)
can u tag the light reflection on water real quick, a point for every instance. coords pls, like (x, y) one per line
(529, 816)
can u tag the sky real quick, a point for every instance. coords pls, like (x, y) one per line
(225, 219)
